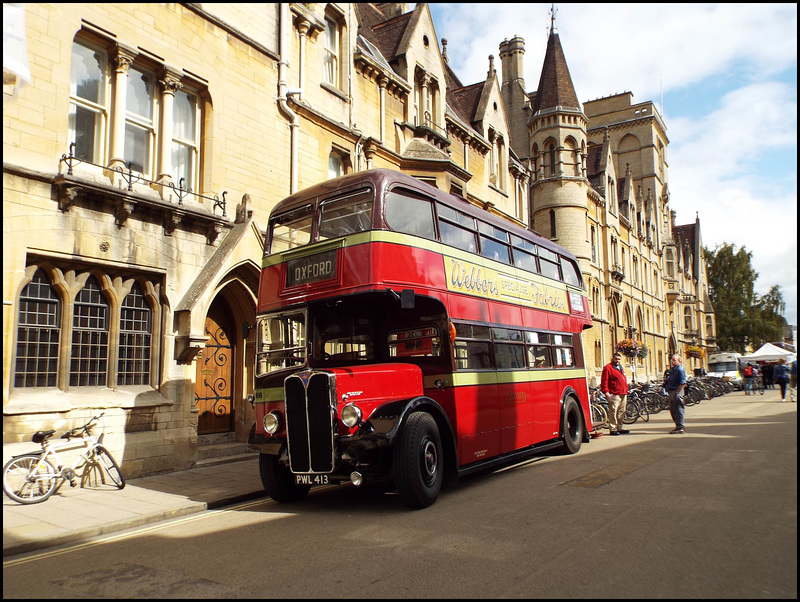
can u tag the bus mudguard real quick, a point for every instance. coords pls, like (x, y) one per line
(385, 423)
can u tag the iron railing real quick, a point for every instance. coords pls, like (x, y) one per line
(131, 177)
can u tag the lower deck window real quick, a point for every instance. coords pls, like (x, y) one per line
(479, 347)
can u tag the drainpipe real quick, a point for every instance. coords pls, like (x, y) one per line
(302, 27)
(284, 93)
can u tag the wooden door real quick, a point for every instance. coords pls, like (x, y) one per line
(213, 385)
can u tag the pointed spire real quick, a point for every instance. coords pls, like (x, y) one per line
(555, 85)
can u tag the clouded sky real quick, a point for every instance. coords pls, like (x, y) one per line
(727, 74)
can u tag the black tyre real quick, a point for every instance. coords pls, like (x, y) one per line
(631, 414)
(26, 486)
(278, 481)
(572, 426)
(418, 461)
(109, 464)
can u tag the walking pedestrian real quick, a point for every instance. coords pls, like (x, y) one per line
(614, 385)
(747, 373)
(793, 379)
(768, 374)
(782, 376)
(675, 384)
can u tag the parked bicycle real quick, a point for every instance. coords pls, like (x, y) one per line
(635, 406)
(599, 406)
(33, 477)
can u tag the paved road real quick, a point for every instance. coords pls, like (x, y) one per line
(712, 513)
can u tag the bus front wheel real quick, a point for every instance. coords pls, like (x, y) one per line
(572, 426)
(278, 481)
(418, 461)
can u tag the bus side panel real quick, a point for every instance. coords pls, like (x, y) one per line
(562, 323)
(461, 307)
(547, 410)
(268, 287)
(408, 265)
(516, 415)
(505, 314)
(353, 272)
(535, 318)
(478, 417)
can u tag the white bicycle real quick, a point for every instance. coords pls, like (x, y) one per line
(33, 477)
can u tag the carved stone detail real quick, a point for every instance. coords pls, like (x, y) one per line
(122, 211)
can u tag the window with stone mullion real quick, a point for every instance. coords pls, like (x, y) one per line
(134, 340)
(89, 354)
(38, 335)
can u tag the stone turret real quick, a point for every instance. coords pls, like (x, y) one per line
(557, 131)
(515, 99)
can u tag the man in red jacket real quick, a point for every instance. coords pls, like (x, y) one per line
(614, 385)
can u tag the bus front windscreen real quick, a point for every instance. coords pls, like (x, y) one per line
(722, 367)
(281, 342)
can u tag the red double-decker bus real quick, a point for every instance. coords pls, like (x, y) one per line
(406, 338)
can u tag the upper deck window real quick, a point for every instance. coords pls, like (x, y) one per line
(344, 216)
(524, 253)
(409, 213)
(291, 229)
(457, 229)
(571, 273)
(494, 243)
(549, 263)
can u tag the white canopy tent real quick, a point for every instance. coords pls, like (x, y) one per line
(768, 353)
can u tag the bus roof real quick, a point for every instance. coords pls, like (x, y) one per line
(381, 179)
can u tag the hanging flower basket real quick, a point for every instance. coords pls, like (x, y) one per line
(632, 348)
(694, 351)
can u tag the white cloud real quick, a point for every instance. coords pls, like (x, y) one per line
(730, 113)
(716, 167)
(615, 47)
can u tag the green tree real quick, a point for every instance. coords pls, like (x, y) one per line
(742, 317)
(770, 323)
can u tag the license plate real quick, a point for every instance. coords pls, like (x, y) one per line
(311, 479)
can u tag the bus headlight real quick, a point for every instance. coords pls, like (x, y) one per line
(272, 422)
(351, 415)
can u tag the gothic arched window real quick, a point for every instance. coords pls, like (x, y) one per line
(38, 334)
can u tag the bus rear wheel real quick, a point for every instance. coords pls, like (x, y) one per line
(278, 481)
(418, 468)
(572, 426)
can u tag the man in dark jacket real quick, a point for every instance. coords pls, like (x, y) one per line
(614, 385)
(675, 384)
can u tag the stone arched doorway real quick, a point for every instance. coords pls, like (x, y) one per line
(215, 372)
(225, 366)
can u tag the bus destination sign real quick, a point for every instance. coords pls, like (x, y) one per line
(312, 268)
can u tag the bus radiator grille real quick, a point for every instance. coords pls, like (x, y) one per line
(310, 423)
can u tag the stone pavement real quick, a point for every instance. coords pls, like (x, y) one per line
(73, 515)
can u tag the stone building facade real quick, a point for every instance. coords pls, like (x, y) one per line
(599, 186)
(142, 159)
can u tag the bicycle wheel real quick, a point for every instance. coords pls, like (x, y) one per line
(644, 412)
(27, 480)
(632, 413)
(599, 416)
(110, 465)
